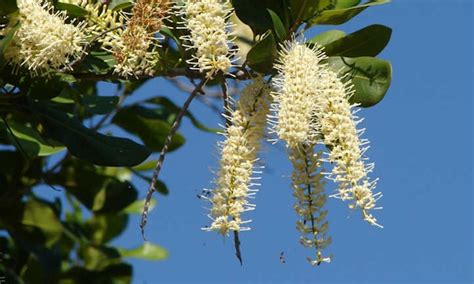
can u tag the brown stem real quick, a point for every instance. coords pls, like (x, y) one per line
(164, 150)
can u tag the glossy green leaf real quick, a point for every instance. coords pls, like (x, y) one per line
(148, 125)
(114, 196)
(5, 43)
(71, 9)
(89, 145)
(368, 41)
(336, 16)
(253, 13)
(105, 227)
(370, 76)
(98, 257)
(100, 104)
(146, 251)
(260, 58)
(346, 3)
(35, 219)
(30, 140)
(137, 206)
(117, 5)
(8, 7)
(327, 37)
(278, 25)
(120, 273)
(95, 190)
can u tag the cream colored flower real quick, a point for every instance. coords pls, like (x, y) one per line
(312, 106)
(43, 41)
(235, 182)
(207, 23)
(294, 96)
(136, 51)
(337, 125)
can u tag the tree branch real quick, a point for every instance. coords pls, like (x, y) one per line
(173, 72)
(164, 150)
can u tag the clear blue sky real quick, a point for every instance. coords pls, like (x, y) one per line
(421, 137)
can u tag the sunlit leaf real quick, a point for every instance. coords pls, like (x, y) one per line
(146, 251)
(371, 77)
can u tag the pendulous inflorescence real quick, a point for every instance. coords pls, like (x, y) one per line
(208, 38)
(43, 40)
(308, 190)
(235, 181)
(136, 51)
(337, 127)
(312, 106)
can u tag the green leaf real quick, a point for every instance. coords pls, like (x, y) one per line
(105, 227)
(114, 196)
(117, 5)
(137, 206)
(253, 13)
(100, 104)
(278, 25)
(5, 43)
(173, 110)
(31, 141)
(370, 76)
(346, 3)
(327, 37)
(71, 9)
(8, 7)
(94, 189)
(97, 257)
(340, 15)
(35, 220)
(120, 273)
(89, 145)
(146, 251)
(98, 62)
(148, 125)
(368, 41)
(260, 58)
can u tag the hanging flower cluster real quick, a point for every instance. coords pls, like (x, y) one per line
(307, 182)
(136, 51)
(337, 125)
(43, 40)
(207, 23)
(235, 182)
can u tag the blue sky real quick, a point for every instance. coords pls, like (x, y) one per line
(421, 142)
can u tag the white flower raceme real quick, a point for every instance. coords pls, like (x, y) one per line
(293, 99)
(206, 21)
(103, 24)
(307, 182)
(234, 182)
(312, 106)
(136, 49)
(43, 41)
(337, 125)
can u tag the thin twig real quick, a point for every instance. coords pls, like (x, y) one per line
(237, 246)
(173, 72)
(225, 99)
(164, 150)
